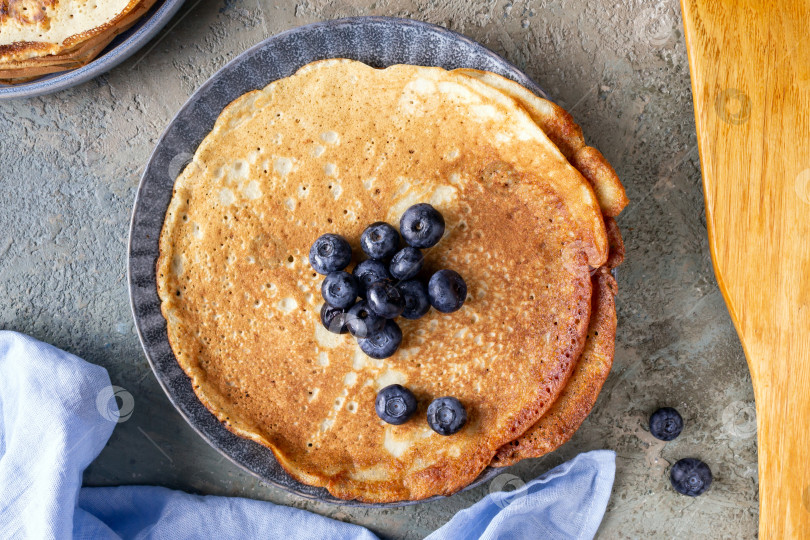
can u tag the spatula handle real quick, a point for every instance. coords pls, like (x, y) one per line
(750, 67)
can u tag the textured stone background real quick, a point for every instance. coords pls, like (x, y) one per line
(70, 164)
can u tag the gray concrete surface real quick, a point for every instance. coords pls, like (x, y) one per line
(70, 164)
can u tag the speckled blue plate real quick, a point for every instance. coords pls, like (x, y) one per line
(122, 47)
(377, 41)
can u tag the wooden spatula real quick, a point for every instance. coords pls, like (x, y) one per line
(750, 65)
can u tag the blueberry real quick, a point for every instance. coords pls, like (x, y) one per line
(362, 322)
(380, 240)
(666, 424)
(446, 415)
(690, 476)
(330, 252)
(447, 291)
(385, 300)
(417, 302)
(395, 404)
(406, 263)
(339, 289)
(422, 226)
(369, 272)
(334, 319)
(384, 343)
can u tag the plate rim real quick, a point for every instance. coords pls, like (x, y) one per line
(518, 75)
(146, 28)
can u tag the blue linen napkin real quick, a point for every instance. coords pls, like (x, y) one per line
(57, 412)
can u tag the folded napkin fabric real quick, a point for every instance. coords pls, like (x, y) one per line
(57, 413)
(566, 502)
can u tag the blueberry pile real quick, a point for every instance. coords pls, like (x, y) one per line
(387, 283)
(396, 404)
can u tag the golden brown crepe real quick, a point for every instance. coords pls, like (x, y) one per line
(332, 149)
(46, 36)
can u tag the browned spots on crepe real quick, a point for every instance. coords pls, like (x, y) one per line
(560, 127)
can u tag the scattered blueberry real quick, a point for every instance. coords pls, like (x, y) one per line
(384, 343)
(330, 252)
(406, 263)
(446, 415)
(666, 424)
(395, 404)
(368, 273)
(362, 322)
(334, 319)
(690, 476)
(422, 226)
(417, 302)
(385, 300)
(339, 289)
(380, 241)
(447, 291)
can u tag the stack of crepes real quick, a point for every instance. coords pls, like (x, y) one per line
(38, 37)
(530, 214)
